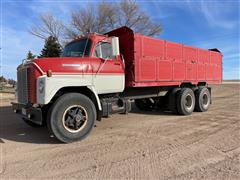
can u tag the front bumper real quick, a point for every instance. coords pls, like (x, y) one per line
(28, 112)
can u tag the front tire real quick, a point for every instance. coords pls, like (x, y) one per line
(203, 99)
(72, 117)
(185, 101)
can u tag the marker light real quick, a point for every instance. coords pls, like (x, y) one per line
(49, 73)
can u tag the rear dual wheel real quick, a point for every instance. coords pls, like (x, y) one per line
(203, 99)
(185, 101)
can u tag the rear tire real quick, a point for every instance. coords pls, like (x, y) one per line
(172, 100)
(185, 101)
(203, 99)
(71, 117)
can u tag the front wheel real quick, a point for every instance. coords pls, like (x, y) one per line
(72, 117)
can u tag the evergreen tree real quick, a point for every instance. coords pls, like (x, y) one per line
(51, 48)
(30, 55)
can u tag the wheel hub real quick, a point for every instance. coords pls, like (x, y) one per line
(74, 118)
(78, 118)
(205, 99)
(188, 102)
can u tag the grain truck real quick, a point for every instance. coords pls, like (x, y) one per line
(99, 75)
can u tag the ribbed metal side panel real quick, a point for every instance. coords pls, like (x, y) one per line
(22, 86)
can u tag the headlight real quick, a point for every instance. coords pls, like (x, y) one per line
(41, 86)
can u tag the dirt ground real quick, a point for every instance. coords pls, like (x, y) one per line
(140, 145)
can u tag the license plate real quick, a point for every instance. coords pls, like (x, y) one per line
(24, 111)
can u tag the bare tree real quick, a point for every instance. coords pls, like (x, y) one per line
(132, 16)
(84, 20)
(107, 16)
(49, 26)
(100, 18)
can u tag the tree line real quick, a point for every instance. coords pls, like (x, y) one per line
(9, 81)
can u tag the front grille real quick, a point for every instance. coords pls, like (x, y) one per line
(22, 85)
(31, 85)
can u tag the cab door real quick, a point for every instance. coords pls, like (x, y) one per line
(108, 71)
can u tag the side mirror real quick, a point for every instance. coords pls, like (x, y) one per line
(115, 46)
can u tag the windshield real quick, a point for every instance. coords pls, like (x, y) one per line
(77, 48)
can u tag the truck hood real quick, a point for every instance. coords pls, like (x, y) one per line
(63, 65)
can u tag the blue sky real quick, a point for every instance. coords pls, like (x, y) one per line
(205, 24)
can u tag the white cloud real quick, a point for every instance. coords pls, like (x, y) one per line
(61, 9)
(216, 14)
(160, 10)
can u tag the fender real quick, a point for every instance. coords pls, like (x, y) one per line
(47, 87)
(96, 96)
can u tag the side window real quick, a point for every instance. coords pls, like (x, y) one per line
(103, 50)
(98, 51)
(106, 50)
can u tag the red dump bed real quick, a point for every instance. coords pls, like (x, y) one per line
(155, 62)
